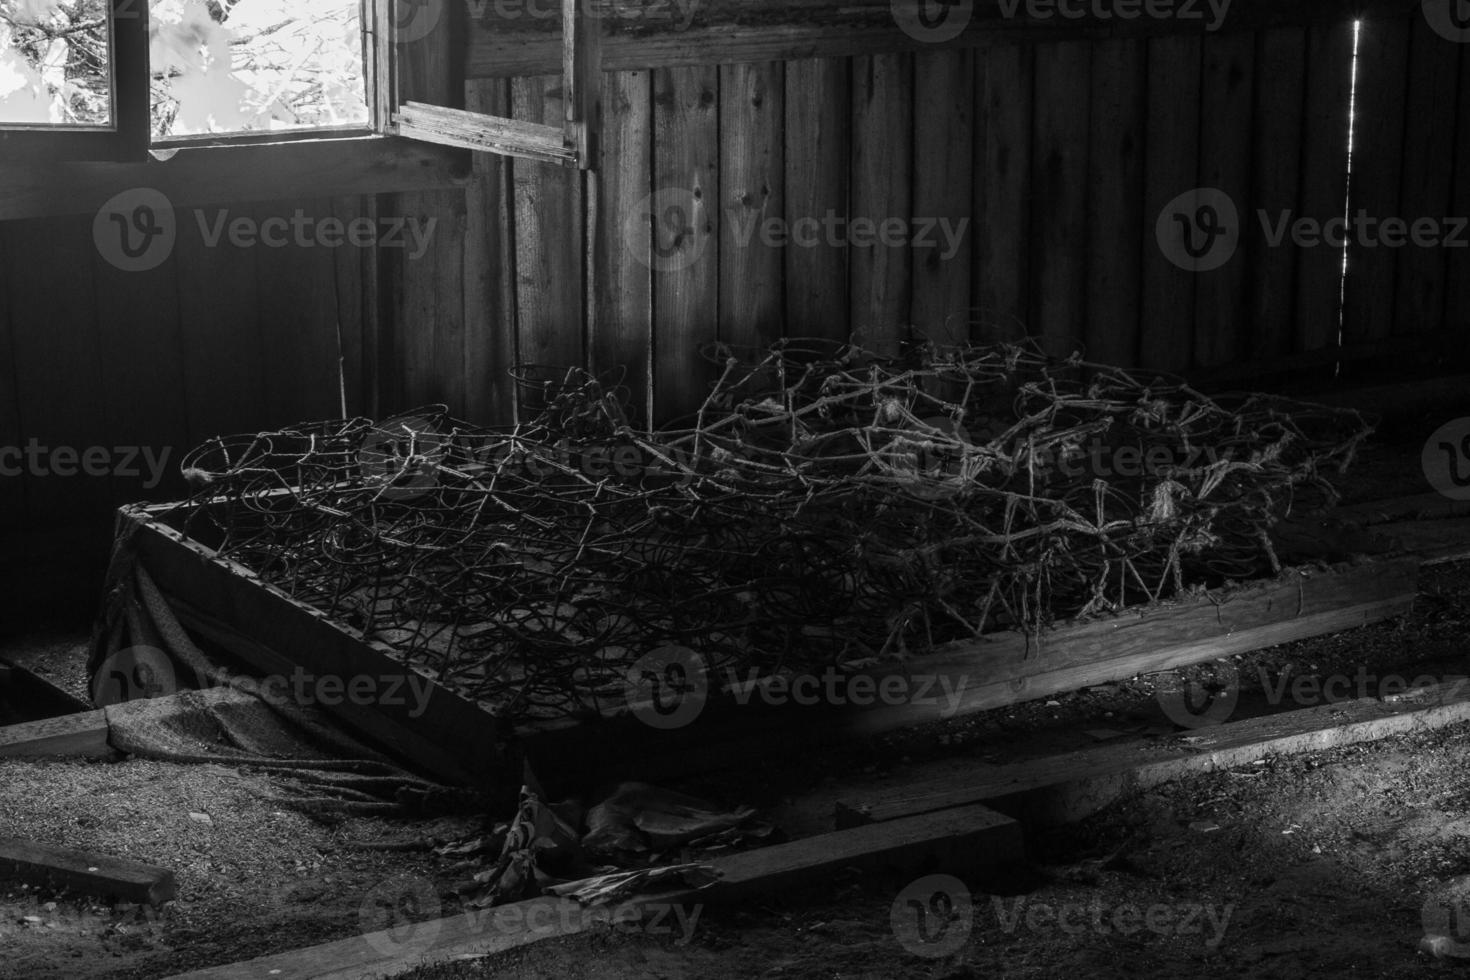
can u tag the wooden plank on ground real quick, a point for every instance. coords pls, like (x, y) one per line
(1115, 201)
(1003, 117)
(81, 735)
(1277, 158)
(965, 841)
(1066, 788)
(752, 150)
(1171, 168)
(686, 286)
(1059, 194)
(621, 315)
(818, 154)
(882, 187)
(944, 124)
(101, 875)
(1227, 111)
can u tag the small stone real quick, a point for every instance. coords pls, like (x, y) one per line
(203, 818)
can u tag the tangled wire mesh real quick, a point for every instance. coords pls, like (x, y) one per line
(827, 507)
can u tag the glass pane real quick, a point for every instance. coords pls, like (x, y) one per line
(255, 65)
(54, 63)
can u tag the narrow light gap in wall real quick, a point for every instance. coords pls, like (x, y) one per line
(1347, 202)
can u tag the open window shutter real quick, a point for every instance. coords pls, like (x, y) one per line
(573, 144)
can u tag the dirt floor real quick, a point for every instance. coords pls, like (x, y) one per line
(1323, 865)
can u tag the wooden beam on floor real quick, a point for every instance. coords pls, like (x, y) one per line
(1072, 786)
(964, 841)
(82, 735)
(101, 875)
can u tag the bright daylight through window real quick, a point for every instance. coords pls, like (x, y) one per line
(217, 67)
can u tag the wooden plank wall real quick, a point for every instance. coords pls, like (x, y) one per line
(1058, 157)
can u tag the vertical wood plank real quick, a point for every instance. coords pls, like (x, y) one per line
(752, 121)
(1429, 173)
(1115, 201)
(686, 171)
(944, 148)
(13, 480)
(882, 187)
(1171, 168)
(1324, 181)
(622, 278)
(1226, 114)
(428, 272)
(1059, 193)
(296, 308)
(139, 339)
(224, 364)
(489, 276)
(1457, 299)
(356, 292)
(1002, 190)
(1276, 167)
(818, 153)
(61, 381)
(548, 241)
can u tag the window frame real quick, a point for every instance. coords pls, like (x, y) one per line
(126, 137)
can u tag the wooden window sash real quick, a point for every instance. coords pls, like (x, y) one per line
(572, 144)
(126, 139)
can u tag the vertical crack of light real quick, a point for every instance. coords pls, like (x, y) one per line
(1347, 201)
